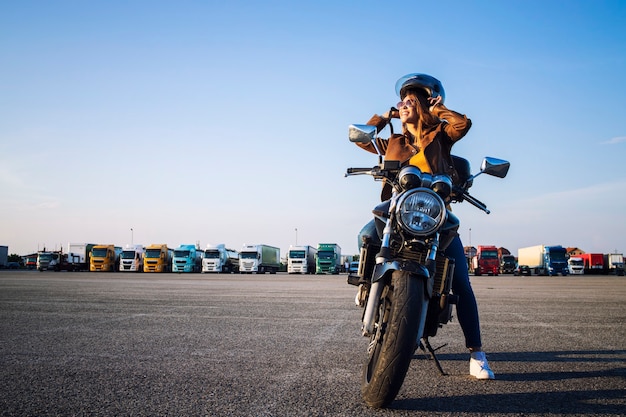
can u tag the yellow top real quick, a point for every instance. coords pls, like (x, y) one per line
(419, 160)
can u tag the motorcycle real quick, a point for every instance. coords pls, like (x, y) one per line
(404, 278)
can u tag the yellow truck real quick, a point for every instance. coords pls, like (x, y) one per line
(105, 258)
(157, 258)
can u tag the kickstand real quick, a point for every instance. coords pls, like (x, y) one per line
(425, 346)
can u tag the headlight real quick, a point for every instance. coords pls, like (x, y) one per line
(442, 185)
(410, 177)
(421, 211)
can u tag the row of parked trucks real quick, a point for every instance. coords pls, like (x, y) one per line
(260, 259)
(545, 260)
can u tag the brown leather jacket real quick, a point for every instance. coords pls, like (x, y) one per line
(438, 141)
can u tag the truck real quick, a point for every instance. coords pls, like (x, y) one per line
(301, 259)
(507, 264)
(157, 258)
(4, 256)
(83, 251)
(31, 261)
(593, 263)
(105, 258)
(544, 260)
(575, 265)
(485, 261)
(57, 261)
(328, 260)
(47, 260)
(614, 263)
(219, 258)
(259, 259)
(187, 258)
(131, 259)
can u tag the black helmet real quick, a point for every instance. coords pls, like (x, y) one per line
(433, 86)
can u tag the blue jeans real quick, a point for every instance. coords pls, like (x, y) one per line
(466, 308)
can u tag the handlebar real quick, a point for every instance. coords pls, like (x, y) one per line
(459, 191)
(475, 202)
(352, 171)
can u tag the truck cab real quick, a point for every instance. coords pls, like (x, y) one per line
(485, 261)
(576, 265)
(131, 259)
(157, 258)
(328, 258)
(218, 258)
(105, 258)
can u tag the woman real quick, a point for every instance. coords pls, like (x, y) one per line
(429, 130)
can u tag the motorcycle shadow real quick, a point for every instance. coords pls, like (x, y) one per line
(584, 382)
(571, 356)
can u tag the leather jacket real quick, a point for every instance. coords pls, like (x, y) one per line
(438, 141)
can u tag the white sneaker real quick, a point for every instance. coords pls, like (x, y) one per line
(479, 367)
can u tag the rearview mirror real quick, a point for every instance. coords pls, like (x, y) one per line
(361, 133)
(494, 166)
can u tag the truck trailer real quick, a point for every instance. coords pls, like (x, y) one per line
(544, 260)
(131, 259)
(485, 261)
(259, 259)
(614, 263)
(328, 258)
(218, 258)
(158, 258)
(83, 251)
(301, 259)
(593, 263)
(4, 256)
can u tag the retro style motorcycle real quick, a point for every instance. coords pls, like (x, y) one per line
(404, 278)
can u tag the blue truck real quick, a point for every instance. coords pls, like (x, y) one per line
(544, 260)
(187, 258)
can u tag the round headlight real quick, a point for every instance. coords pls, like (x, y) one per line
(410, 177)
(421, 212)
(442, 185)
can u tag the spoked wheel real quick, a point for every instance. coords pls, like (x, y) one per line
(400, 318)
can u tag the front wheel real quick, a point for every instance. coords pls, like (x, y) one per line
(400, 320)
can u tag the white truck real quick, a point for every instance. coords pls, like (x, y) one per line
(544, 260)
(218, 258)
(614, 263)
(259, 259)
(131, 259)
(576, 265)
(301, 260)
(83, 251)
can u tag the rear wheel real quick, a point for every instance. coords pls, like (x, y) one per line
(401, 315)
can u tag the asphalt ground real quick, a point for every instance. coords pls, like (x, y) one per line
(115, 344)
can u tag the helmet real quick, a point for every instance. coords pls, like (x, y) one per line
(433, 86)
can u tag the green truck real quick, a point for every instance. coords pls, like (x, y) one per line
(328, 258)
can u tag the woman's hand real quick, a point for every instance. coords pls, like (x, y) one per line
(393, 113)
(433, 101)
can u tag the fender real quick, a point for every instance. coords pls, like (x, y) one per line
(385, 269)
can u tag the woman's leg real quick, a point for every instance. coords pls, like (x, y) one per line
(466, 308)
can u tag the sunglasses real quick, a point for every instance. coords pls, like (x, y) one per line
(408, 103)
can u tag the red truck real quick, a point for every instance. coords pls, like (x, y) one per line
(486, 261)
(593, 263)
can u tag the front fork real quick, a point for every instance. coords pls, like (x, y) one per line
(384, 267)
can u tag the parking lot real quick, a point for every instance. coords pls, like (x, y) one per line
(289, 345)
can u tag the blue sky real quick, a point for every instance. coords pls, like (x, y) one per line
(226, 122)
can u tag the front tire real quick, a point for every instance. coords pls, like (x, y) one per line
(400, 318)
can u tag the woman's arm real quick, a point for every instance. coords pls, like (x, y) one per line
(457, 124)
